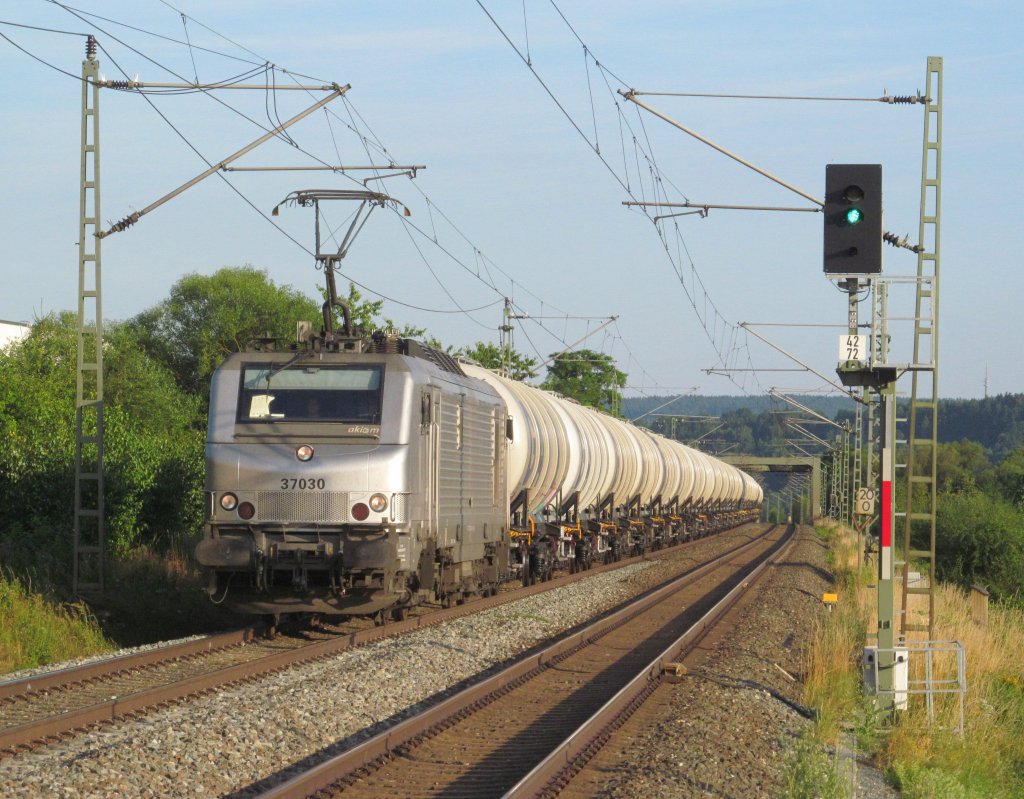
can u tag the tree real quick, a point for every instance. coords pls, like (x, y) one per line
(153, 448)
(591, 378)
(207, 317)
(1009, 477)
(980, 539)
(959, 465)
(489, 356)
(367, 316)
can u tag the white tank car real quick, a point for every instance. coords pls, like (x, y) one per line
(383, 474)
(559, 448)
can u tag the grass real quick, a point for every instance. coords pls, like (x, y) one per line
(988, 761)
(37, 630)
(926, 760)
(155, 596)
(149, 597)
(812, 773)
(832, 678)
(832, 683)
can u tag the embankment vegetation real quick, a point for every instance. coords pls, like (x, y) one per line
(926, 758)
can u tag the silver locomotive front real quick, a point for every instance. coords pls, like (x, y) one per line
(308, 483)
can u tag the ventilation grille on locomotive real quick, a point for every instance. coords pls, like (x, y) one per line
(442, 360)
(400, 507)
(298, 506)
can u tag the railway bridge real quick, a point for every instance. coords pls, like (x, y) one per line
(784, 463)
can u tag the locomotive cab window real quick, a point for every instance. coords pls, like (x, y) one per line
(306, 393)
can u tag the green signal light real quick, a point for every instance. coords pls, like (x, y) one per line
(854, 216)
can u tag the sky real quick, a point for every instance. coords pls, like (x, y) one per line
(524, 182)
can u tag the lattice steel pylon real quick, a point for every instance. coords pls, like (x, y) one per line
(922, 418)
(89, 523)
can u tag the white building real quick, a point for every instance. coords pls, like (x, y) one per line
(12, 331)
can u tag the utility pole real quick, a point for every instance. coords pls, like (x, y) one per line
(89, 525)
(505, 329)
(89, 517)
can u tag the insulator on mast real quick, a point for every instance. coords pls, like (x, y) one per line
(896, 241)
(903, 99)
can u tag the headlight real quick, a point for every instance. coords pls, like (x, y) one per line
(246, 510)
(304, 453)
(378, 503)
(360, 511)
(229, 501)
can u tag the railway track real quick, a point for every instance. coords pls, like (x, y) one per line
(514, 731)
(43, 708)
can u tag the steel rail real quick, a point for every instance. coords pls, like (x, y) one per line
(86, 672)
(383, 744)
(40, 730)
(553, 773)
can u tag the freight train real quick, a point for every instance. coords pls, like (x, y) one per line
(364, 476)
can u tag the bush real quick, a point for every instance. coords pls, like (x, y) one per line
(980, 539)
(153, 458)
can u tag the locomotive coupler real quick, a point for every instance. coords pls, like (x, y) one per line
(300, 574)
(261, 568)
(336, 573)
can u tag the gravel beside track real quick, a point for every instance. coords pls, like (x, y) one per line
(726, 728)
(237, 740)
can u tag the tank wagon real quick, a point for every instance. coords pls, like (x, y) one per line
(373, 475)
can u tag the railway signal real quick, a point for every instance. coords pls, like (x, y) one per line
(853, 219)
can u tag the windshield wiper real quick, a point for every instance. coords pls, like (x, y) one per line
(298, 356)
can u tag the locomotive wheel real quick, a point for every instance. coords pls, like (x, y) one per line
(379, 619)
(400, 613)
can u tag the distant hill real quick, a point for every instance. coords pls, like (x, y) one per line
(716, 405)
(997, 423)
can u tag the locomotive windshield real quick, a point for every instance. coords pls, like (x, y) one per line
(310, 394)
